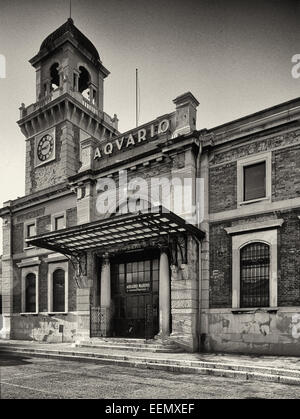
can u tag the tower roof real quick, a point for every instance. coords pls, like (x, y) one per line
(68, 30)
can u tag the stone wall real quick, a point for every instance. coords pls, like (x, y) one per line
(259, 333)
(185, 300)
(45, 328)
(66, 163)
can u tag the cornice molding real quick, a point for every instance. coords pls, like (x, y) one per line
(262, 225)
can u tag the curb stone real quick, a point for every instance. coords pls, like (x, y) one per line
(266, 374)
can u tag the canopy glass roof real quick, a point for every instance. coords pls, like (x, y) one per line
(122, 229)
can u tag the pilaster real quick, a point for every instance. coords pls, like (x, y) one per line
(105, 297)
(7, 278)
(185, 300)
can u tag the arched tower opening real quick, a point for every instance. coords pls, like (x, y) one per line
(54, 76)
(84, 82)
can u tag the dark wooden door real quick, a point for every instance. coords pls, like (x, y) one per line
(135, 297)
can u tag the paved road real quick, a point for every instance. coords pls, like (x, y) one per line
(25, 377)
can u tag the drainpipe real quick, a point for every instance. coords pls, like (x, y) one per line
(199, 243)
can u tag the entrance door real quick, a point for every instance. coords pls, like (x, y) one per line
(135, 296)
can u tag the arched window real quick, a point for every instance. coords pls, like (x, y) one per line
(255, 275)
(30, 293)
(84, 82)
(54, 76)
(59, 290)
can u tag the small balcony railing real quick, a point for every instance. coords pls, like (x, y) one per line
(25, 111)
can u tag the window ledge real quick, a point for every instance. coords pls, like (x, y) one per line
(254, 201)
(260, 225)
(254, 310)
(29, 248)
(54, 313)
(29, 314)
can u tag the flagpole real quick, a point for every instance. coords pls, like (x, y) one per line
(136, 97)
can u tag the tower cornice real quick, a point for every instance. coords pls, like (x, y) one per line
(66, 106)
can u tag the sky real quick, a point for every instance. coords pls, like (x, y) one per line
(234, 56)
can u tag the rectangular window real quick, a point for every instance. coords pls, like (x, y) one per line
(59, 222)
(30, 230)
(254, 181)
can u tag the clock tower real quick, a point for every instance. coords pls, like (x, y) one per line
(68, 108)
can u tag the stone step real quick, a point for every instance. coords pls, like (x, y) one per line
(121, 340)
(130, 346)
(246, 372)
(133, 342)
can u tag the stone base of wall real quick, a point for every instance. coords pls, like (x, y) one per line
(45, 328)
(83, 326)
(259, 332)
(5, 326)
(83, 299)
(184, 307)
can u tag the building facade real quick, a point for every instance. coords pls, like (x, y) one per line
(162, 232)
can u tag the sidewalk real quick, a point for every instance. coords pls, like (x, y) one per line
(263, 368)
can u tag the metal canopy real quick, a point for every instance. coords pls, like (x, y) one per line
(118, 230)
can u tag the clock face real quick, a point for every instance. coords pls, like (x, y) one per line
(45, 147)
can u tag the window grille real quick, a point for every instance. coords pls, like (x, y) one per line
(255, 273)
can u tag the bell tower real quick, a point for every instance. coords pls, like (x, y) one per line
(68, 108)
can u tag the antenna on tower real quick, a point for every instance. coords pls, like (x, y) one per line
(70, 9)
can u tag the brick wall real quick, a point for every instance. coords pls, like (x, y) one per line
(71, 216)
(288, 260)
(43, 224)
(43, 286)
(72, 289)
(286, 173)
(220, 283)
(285, 170)
(222, 187)
(17, 289)
(18, 238)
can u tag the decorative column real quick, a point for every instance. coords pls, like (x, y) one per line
(164, 293)
(105, 299)
(75, 80)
